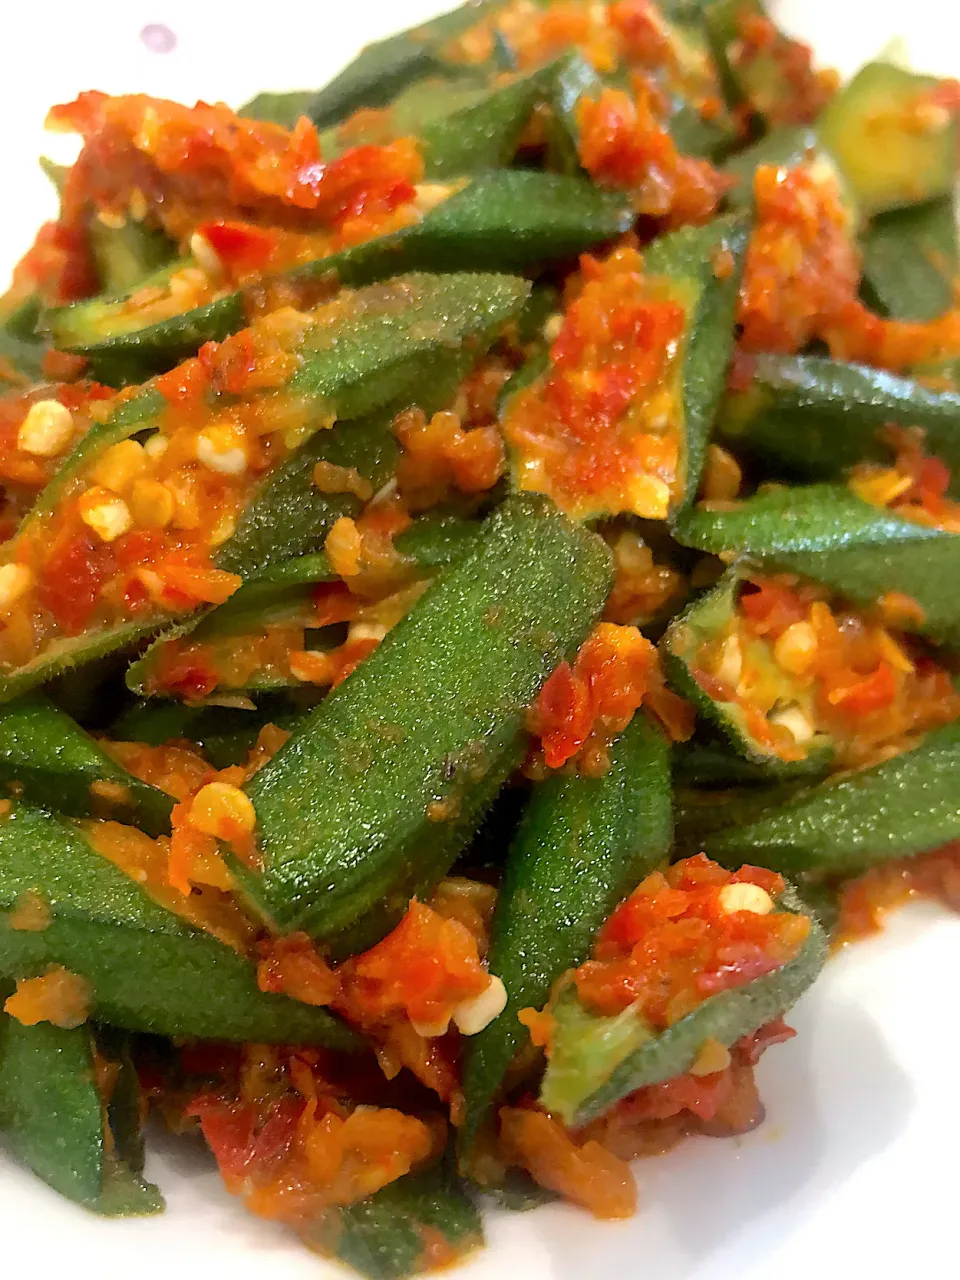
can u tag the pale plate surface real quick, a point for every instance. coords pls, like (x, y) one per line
(854, 1172)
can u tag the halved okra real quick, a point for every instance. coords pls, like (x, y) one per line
(911, 259)
(698, 269)
(55, 1118)
(372, 799)
(583, 843)
(125, 256)
(900, 807)
(811, 418)
(284, 594)
(501, 220)
(595, 1060)
(826, 533)
(706, 624)
(894, 143)
(48, 759)
(387, 1236)
(391, 337)
(148, 969)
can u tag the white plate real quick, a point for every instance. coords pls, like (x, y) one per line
(854, 1170)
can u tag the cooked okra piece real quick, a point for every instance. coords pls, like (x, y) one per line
(372, 799)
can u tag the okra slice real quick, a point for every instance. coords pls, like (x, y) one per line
(48, 759)
(483, 134)
(596, 1060)
(284, 596)
(903, 806)
(377, 349)
(895, 144)
(501, 220)
(391, 1235)
(645, 455)
(148, 969)
(911, 259)
(278, 108)
(807, 417)
(706, 640)
(372, 799)
(55, 1118)
(826, 533)
(583, 843)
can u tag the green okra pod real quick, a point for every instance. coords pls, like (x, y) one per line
(148, 969)
(48, 759)
(583, 843)
(807, 417)
(370, 802)
(900, 807)
(55, 1119)
(827, 534)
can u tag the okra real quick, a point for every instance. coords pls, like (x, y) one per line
(285, 594)
(891, 150)
(483, 134)
(387, 1236)
(826, 533)
(55, 1119)
(691, 255)
(372, 799)
(595, 1060)
(711, 618)
(685, 265)
(900, 807)
(392, 337)
(125, 256)
(225, 735)
(289, 517)
(583, 843)
(911, 259)
(501, 220)
(148, 969)
(785, 147)
(278, 108)
(384, 68)
(807, 417)
(48, 759)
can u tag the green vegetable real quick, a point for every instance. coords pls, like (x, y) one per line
(373, 798)
(583, 844)
(711, 617)
(149, 970)
(386, 67)
(483, 134)
(903, 806)
(125, 256)
(685, 261)
(278, 108)
(50, 761)
(54, 1119)
(596, 1060)
(911, 259)
(384, 1237)
(389, 337)
(501, 220)
(826, 533)
(893, 145)
(807, 417)
(285, 594)
(786, 147)
(225, 735)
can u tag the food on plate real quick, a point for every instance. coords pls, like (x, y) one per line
(476, 609)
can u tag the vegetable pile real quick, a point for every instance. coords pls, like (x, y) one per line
(476, 611)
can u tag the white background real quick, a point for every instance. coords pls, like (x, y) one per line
(854, 1172)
